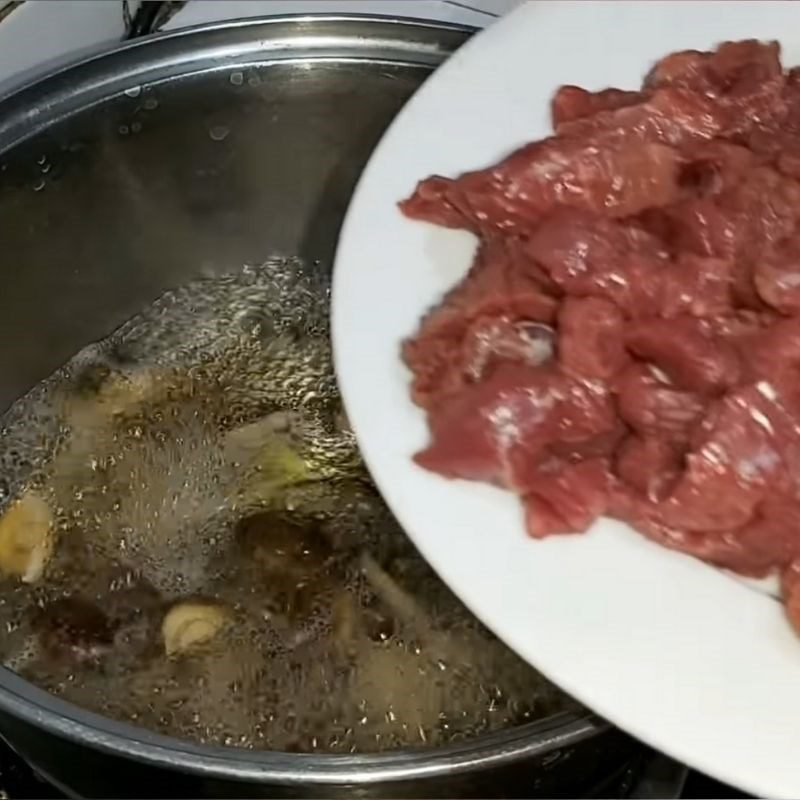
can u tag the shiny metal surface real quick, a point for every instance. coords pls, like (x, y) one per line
(195, 152)
(232, 143)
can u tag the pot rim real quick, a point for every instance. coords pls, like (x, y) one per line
(37, 707)
(53, 715)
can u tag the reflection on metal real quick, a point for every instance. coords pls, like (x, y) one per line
(149, 17)
(7, 6)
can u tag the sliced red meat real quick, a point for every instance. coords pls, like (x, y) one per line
(778, 142)
(500, 286)
(791, 96)
(721, 548)
(736, 461)
(788, 161)
(741, 324)
(490, 341)
(744, 64)
(649, 465)
(772, 351)
(587, 255)
(571, 102)
(766, 543)
(695, 225)
(601, 446)
(766, 206)
(770, 540)
(541, 519)
(671, 116)
(777, 276)
(430, 203)
(713, 166)
(686, 68)
(698, 286)
(790, 585)
(628, 341)
(515, 194)
(763, 208)
(654, 408)
(775, 405)
(579, 491)
(783, 142)
(744, 79)
(499, 430)
(590, 338)
(752, 84)
(687, 351)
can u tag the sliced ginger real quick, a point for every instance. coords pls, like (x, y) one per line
(27, 538)
(189, 626)
(120, 394)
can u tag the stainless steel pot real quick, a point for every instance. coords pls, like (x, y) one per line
(121, 176)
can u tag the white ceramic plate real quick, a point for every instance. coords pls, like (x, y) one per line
(696, 664)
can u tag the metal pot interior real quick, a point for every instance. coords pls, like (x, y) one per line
(136, 172)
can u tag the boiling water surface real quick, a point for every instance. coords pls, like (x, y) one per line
(190, 541)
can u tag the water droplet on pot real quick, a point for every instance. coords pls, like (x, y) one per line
(219, 133)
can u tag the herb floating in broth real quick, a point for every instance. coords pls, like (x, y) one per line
(26, 537)
(189, 626)
(191, 542)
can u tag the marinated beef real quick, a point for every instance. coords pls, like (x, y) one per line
(628, 339)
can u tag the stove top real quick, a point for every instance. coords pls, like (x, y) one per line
(18, 781)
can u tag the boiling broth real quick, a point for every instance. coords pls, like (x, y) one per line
(190, 542)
